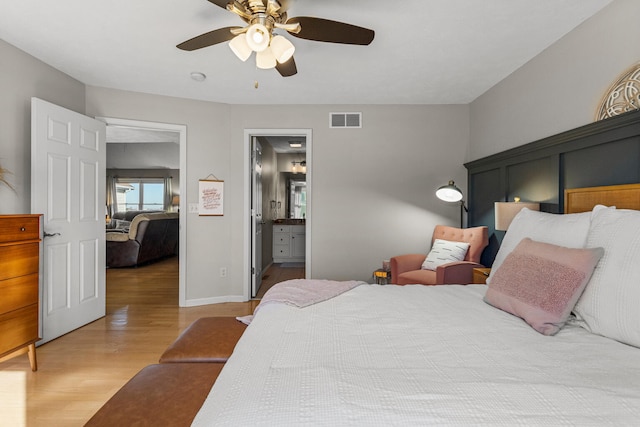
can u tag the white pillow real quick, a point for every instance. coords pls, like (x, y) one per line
(610, 304)
(568, 230)
(444, 252)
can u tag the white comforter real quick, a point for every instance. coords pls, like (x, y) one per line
(415, 356)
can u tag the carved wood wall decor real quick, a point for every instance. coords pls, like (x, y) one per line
(622, 96)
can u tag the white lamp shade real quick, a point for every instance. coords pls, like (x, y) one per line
(265, 59)
(239, 46)
(449, 193)
(506, 211)
(282, 49)
(257, 37)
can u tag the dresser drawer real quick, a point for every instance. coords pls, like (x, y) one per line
(19, 260)
(280, 251)
(281, 228)
(19, 292)
(18, 328)
(19, 228)
(281, 238)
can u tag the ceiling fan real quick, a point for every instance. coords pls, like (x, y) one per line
(274, 50)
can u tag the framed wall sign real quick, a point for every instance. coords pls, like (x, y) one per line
(211, 197)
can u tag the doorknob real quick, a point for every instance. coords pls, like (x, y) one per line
(45, 234)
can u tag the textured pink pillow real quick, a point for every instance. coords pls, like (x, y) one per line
(541, 283)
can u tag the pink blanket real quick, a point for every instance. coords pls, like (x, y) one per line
(302, 293)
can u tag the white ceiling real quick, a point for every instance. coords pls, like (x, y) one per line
(424, 51)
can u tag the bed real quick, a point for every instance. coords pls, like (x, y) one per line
(458, 355)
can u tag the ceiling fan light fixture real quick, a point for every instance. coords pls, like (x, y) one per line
(282, 49)
(265, 59)
(257, 37)
(239, 46)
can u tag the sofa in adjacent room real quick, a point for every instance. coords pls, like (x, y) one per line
(149, 237)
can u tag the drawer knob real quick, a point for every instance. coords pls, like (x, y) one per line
(22, 229)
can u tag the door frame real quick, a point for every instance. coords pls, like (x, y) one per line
(182, 242)
(248, 135)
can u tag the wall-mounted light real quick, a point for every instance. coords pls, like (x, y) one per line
(302, 164)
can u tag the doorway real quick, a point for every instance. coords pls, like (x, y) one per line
(274, 204)
(140, 132)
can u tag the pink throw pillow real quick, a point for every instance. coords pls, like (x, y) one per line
(541, 283)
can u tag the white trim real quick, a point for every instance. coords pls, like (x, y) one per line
(182, 129)
(248, 134)
(214, 300)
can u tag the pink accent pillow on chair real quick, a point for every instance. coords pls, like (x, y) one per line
(541, 283)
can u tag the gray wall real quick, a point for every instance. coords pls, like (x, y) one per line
(372, 187)
(22, 77)
(561, 88)
(209, 239)
(143, 155)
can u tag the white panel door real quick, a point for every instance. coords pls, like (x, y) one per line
(258, 222)
(68, 188)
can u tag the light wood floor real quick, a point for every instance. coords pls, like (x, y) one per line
(276, 274)
(79, 372)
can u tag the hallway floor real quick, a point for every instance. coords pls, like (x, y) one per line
(276, 274)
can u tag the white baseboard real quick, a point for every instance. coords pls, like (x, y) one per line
(214, 300)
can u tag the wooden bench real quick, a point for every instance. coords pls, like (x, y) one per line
(160, 395)
(172, 392)
(208, 339)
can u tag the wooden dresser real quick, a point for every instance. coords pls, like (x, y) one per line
(19, 270)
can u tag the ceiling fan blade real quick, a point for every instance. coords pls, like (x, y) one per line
(288, 68)
(221, 3)
(325, 30)
(207, 39)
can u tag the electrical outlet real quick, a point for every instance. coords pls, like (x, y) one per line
(193, 208)
(223, 271)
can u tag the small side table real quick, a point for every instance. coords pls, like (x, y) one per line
(382, 276)
(480, 275)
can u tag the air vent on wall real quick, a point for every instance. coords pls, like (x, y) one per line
(345, 120)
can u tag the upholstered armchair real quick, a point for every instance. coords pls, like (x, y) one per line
(406, 269)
